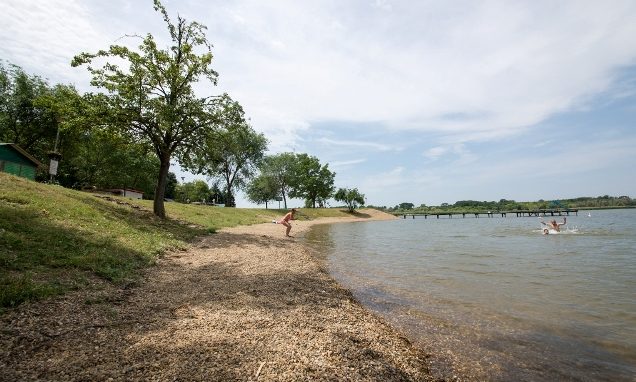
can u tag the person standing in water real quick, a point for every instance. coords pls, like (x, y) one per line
(285, 221)
(554, 225)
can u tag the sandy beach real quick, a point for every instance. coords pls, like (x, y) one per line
(243, 304)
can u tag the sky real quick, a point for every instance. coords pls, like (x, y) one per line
(426, 102)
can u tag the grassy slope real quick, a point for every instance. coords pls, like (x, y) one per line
(54, 239)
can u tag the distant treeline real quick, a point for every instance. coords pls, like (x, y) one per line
(605, 201)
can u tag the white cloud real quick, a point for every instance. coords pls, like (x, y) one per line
(458, 152)
(43, 37)
(435, 152)
(358, 144)
(345, 164)
(392, 178)
(507, 65)
(569, 162)
(498, 67)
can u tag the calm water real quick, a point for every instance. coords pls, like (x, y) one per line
(493, 298)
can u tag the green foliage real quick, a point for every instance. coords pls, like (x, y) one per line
(511, 205)
(262, 189)
(352, 197)
(406, 206)
(195, 191)
(279, 169)
(24, 119)
(171, 186)
(153, 99)
(231, 152)
(32, 112)
(310, 180)
(105, 159)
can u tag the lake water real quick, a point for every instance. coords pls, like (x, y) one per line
(493, 298)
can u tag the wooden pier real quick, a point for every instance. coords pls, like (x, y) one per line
(503, 214)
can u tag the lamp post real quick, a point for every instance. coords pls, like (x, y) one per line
(54, 155)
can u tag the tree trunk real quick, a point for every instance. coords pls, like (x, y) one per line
(282, 192)
(230, 202)
(160, 191)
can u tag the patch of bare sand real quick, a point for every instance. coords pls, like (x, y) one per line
(244, 304)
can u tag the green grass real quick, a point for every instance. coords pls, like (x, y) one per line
(53, 239)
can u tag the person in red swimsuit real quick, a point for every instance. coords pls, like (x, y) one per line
(285, 221)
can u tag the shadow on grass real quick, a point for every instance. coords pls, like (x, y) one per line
(42, 255)
(143, 219)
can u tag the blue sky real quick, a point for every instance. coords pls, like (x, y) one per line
(424, 102)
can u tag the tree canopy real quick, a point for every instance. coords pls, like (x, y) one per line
(279, 169)
(351, 197)
(262, 190)
(153, 99)
(231, 152)
(311, 181)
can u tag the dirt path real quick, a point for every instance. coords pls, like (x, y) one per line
(244, 304)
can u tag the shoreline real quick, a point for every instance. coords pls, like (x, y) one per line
(244, 304)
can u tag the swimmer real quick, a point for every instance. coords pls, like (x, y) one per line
(554, 225)
(546, 231)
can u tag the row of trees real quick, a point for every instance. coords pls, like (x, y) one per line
(290, 175)
(511, 205)
(32, 113)
(146, 115)
(98, 155)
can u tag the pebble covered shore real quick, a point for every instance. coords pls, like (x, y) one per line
(244, 304)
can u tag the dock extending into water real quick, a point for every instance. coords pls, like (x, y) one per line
(490, 214)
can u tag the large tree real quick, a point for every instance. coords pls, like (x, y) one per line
(351, 197)
(280, 169)
(311, 180)
(262, 189)
(195, 191)
(32, 112)
(23, 118)
(231, 152)
(153, 98)
(171, 186)
(106, 159)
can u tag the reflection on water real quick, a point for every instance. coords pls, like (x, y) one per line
(493, 298)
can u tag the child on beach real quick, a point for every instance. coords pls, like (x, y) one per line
(285, 221)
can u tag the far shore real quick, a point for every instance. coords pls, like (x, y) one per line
(246, 303)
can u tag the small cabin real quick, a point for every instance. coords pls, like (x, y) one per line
(16, 161)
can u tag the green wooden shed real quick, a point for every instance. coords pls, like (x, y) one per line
(16, 161)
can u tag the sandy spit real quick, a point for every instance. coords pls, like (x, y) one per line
(244, 304)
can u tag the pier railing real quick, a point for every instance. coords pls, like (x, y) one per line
(490, 214)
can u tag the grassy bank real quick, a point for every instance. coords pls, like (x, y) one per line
(54, 239)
